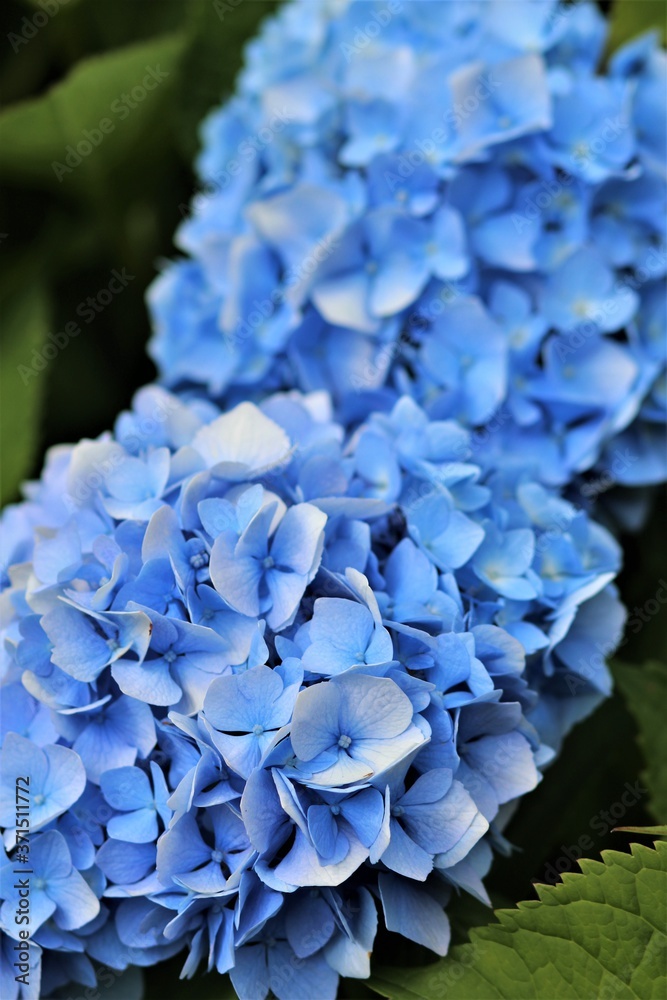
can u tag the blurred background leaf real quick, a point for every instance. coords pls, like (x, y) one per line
(645, 691)
(25, 322)
(63, 67)
(36, 133)
(630, 18)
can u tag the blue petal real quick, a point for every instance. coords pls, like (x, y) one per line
(414, 913)
(242, 443)
(126, 788)
(406, 857)
(138, 827)
(76, 904)
(323, 831)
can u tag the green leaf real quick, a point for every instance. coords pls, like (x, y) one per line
(630, 18)
(647, 831)
(25, 322)
(645, 689)
(563, 819)
(598, 934)
(94, 112)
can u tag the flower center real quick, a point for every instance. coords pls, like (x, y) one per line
(344, 742)
(268, 562)
(170, 656)
(257, 730)
(217, 856)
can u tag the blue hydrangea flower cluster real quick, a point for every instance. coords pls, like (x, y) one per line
(444, 200)
(271, 680)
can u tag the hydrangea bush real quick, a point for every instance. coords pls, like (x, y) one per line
(446, 200)
(284, 651)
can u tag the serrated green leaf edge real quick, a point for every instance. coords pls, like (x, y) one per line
(601, 933)
(648, 831)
